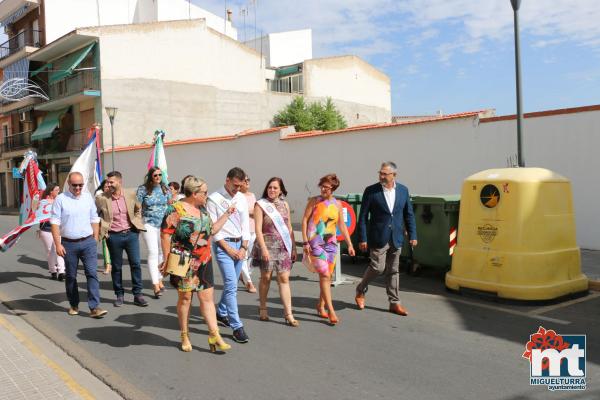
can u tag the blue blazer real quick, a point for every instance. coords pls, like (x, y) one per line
(377, 225)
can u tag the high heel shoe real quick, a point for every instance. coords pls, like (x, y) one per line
(185, 342)
(262, 314)
(215, 341)
(291, 321)
(157, 294)
(321, 311)
(333, 319)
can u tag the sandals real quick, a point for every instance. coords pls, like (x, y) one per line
(262, 314)
(291, 321)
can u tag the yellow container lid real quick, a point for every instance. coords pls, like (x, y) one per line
(517, 175)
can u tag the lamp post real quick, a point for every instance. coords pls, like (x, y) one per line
(112, 113)
(521, 161)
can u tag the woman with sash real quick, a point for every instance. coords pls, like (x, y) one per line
(274, 249)
(322, 218)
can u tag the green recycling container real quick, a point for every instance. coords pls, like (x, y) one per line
(437, 227)
(355, 200)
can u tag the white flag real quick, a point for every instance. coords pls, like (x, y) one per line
(88, 165)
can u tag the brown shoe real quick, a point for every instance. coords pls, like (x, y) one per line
(98, 313)
(398, 309)
(360, 300)
(73, 311)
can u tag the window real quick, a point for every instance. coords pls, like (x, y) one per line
(288, 84)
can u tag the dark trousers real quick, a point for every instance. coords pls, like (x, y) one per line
(85, 251)
(130, 243)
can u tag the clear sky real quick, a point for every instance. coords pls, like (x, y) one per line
(450, 55)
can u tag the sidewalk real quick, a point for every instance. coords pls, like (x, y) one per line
(32, 367)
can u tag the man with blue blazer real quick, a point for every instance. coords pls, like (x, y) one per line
(385, 213)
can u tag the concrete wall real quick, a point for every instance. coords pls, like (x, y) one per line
(350, 79)
(63, 16)
(433, 158)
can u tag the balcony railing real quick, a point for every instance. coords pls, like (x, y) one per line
(74, 84)
(29, 37)
(63, 141)
(17, 141)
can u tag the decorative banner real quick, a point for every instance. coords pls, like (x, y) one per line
(88, 164)
(42, 214)
(157, 158)
(17, 89)
(33, 186)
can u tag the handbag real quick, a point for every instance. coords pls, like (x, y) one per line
(307, 262)
(178, 261)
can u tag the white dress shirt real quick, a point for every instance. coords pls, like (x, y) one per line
(74, 215)
(390, 196)
(238, 224)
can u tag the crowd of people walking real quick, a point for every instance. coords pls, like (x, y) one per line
(187, 230)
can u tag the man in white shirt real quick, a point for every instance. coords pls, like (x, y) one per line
(74, 225)
(230, 246)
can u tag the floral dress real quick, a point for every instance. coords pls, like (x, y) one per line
(279, 258)
(321, 230)
(192, 234)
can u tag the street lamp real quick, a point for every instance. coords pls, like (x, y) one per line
(112, 113)
(515, 5)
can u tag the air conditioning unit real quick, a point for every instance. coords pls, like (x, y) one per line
(25, 116)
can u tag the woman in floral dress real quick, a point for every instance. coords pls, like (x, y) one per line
(187, 226)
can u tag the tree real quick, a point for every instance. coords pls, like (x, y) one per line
(308, 117)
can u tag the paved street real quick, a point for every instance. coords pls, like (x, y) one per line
(449, 347)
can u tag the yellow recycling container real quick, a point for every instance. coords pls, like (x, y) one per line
(516, 236)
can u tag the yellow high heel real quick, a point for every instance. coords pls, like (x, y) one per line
(185, 342)
(215, 341)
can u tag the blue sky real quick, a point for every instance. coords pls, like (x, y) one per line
(451, 55)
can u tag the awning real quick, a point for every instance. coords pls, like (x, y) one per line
(293, 69)
(48, 125)
(65, 67)
(19, 69)
(14, 16)
(40, 69)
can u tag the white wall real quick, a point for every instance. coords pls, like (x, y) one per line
(171, 10)
(284, 48)
(347, 78)
(287, 48)
(178, 51)
(433, 158)
(63, 16)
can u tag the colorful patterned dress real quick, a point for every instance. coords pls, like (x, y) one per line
(279, 258)
(321, 230)
(184, 229)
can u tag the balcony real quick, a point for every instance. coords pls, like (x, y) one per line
(17, 141)
(11, 9)
(63, 141)
(20, 45)
(73, 89)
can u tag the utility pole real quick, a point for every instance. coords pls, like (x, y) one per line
(521, 161)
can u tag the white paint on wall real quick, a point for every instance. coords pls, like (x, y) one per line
(432, 158)
(284, 48)
(347, 78)
(63, 16)
(178, 51)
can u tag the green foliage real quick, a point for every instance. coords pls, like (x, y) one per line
(309, 117)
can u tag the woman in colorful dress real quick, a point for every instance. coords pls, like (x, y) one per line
(275, 249)
(56, 264)
(154, 197)
(187, 226)
(322, 217)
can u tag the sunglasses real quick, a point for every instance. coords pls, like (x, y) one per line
(155, 175)
(76, 185)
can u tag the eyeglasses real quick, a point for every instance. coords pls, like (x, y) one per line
(381, 173)
(326, 187)
(76, 185)
(155, 175)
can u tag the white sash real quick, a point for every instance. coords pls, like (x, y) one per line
(224, 205)
(278, 221)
